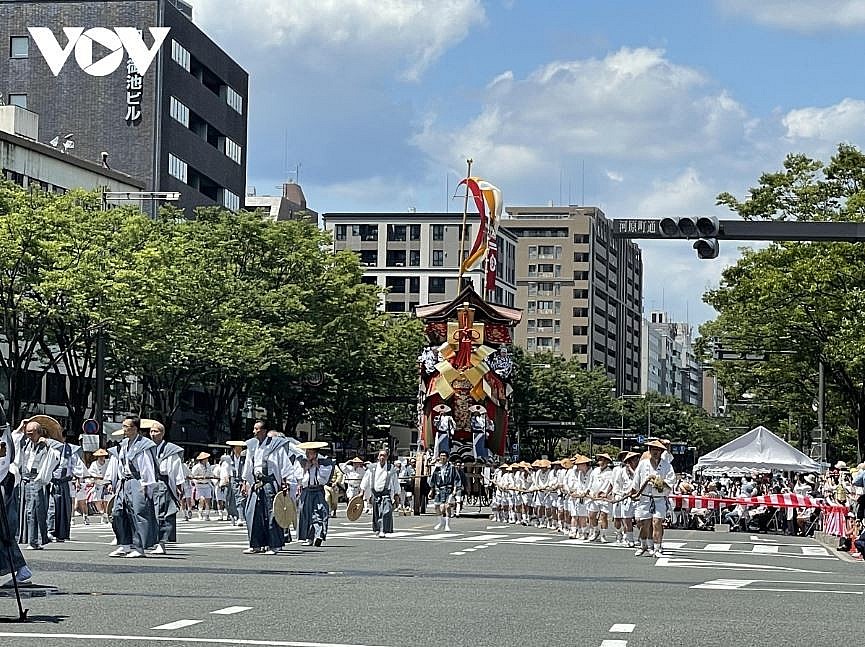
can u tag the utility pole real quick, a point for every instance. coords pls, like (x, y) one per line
(821, 396)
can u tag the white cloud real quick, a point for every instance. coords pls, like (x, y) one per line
(843, 121)
(684, 195)
(634, 104)
(407, 35)
(800, 15)
(613, 176)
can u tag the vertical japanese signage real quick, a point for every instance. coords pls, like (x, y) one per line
(134, 91)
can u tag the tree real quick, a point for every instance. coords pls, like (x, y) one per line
(800, 298)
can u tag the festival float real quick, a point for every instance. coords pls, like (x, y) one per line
(466, 367)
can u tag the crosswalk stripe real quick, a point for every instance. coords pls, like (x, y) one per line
(403, 534)
(814, 551)
(483, 538)
(717, 546)
(441, 535)
(178, 624)
(228, 611)
(673, 544)
(530, 539)
(760, 548)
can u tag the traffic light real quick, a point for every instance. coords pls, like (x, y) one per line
(704, 228)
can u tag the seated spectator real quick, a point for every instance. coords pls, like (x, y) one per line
(736, 518)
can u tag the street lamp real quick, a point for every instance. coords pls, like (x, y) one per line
(659, 405)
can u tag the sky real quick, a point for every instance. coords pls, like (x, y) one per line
(643, 108)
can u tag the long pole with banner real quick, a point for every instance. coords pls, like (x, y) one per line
(463, 231)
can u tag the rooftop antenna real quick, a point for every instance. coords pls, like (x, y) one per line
(583, 197)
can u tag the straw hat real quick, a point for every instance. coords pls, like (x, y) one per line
(655, 443)
(356, 459)
(525, 465)
(579, 459)
(441, 408)
(313, 444)
(629, 456)
(52, 428)
(567, 463)
(100, 452)
(605, 456)
(118, 432)
(544, 464)
(236, 443)
(146, 423)
(621, 455)
(840, 465)
(203, 456)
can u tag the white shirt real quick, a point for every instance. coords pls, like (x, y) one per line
(600, 481)
(379, 478)
(645, 471)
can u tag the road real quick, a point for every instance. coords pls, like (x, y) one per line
(482, 584)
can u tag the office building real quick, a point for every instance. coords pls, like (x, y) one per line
(180, 125)
(415, 255)
(580, 288)
(291, 205)
(670, 365)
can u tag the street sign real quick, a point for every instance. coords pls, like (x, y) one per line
(759, 356)
(637, 227)
(641, 439)
(90, 426)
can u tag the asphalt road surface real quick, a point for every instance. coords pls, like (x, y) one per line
(482, 584)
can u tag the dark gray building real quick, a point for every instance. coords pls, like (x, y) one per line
(179, 126)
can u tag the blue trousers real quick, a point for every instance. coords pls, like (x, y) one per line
(261, 526)
(133, 516)
(36, 512)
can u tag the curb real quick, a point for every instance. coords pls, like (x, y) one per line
(830, 542)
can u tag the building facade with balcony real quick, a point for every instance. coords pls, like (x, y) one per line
(179, 126)
(415, 256)
(581, 289)
(670, 365)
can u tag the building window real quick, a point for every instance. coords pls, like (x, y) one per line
(19, 100)
(438, 232)
(438, 258)
(533, 251)
(546, 251)
(581, 257)
(414, 232)
(531, 345)
(414, 284)
(533, 289)
(531, 326)
(19, 47)
(230, 200)
(179, 111)
(396, 232)
(436, 285)
(581, 331)
(533, 271)
(581, 276)
(545, 343)
(394, 306)
(396, 258)
(367, 233)
(180, 55)
(545, 325)
(233, 99)
(369, 257)
(233, 150)
(369, 279)
(414, 258)
(580, 349)
(581, 312)
(545, 307)
(177, 168)
(581, 238)
(581, 294)
(396, 284)
(341, 231)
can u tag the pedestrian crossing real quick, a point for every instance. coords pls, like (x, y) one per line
(224, 535)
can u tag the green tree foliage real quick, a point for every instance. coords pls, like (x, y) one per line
(801, 298)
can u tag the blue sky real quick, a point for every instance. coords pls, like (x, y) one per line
(665, 104)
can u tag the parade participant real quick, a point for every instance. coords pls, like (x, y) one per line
(70, 467)
(202, 482)
(460, 493)
(381, 487)
(521, 491)
(623, 508)
(40, 459)
(541, 486)
(12, 562)
(654, 479)
(600, 486)
(354, 471)
(263, 474)
(406, 482)
(133, 513)
(444, 482)
(96, 472)
(577, 486)
(497, 502)
(188, 500)
(168, 487)
(313, 512)
(560, 472)
(445, 427)
(332, 491)
(236, 499)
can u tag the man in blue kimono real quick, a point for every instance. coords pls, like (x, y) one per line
(314, 512)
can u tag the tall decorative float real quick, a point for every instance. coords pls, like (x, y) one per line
(466, 367)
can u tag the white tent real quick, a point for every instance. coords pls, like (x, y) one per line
(759, 449)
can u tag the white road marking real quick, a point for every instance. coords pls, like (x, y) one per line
(724, 585)
(469, 550)
(614, 643)
(762, 548)
(228, 611)
(175, 639)
(495, 527)
(484, 538)
(757, 538)
(459, 552)
(717, 547)
(441, 535)
(530, 539)
(814, 550)
(622, 629)
(402, 534)
(675, 562)
(178, 624)
(350, 533)
(672, 545)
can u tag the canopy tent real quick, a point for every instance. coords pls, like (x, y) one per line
(759, 449)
